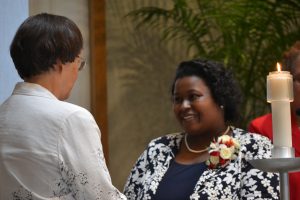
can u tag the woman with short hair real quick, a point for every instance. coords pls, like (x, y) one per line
(50, 149)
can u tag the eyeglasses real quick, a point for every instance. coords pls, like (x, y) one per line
(82, 63)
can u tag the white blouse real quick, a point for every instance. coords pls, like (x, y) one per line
(50, 149)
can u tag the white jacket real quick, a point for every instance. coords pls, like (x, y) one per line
(50, 149)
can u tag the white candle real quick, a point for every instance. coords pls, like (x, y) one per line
(280, 94)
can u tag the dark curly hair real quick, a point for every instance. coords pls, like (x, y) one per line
(290, 56)
(43, 39)
(224, 88)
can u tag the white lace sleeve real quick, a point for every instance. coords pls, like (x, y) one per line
(81, 161)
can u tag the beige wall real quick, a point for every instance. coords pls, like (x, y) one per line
(78, 11)
(140, 71)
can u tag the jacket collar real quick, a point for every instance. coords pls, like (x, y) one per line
(32, 89)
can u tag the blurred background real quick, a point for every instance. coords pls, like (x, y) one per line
(134, 46)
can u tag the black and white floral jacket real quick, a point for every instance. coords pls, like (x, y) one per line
(237, 180)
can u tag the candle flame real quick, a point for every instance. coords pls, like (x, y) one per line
(278, 67)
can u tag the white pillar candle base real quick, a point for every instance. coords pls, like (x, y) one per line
(281, 122)
(283, 152)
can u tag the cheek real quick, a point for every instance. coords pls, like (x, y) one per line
(74, 76)
(70, 81)
(175, 110)
(215, 112)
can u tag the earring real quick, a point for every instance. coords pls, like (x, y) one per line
(222, 107)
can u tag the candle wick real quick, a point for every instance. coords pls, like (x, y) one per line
(278, 67)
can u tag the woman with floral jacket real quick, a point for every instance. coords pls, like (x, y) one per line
(210, 158)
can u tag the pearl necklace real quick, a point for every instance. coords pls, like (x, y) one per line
(202, 150)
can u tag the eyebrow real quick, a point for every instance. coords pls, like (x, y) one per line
(189, 91)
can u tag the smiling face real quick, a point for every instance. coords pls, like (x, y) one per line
(195, 108)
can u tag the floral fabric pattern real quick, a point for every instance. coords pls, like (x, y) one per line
(237, 180)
